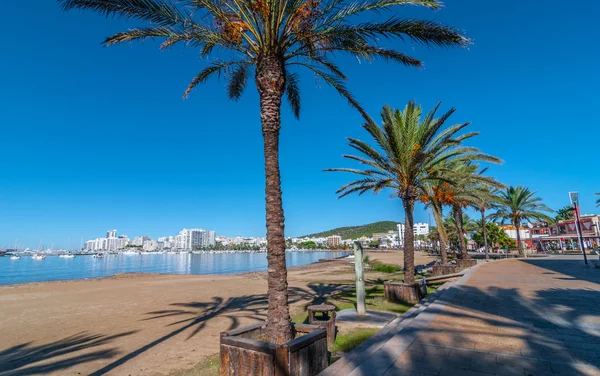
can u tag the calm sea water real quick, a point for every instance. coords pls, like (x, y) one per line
(55, 268)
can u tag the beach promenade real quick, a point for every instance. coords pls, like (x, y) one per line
(509, 317)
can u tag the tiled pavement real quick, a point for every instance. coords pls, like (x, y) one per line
(509, 317)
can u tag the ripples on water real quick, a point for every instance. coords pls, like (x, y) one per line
(55, 268)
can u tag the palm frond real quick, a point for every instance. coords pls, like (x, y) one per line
(217, 68)
(237, 82)
(292, 91)
(159, 12)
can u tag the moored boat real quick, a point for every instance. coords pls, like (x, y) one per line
(67, 256)
(99, 255)
(15, 257)
(38, 257)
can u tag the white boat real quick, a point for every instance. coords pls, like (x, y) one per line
(98, 255)
(38, 257)
(15, 257)
(67, 256)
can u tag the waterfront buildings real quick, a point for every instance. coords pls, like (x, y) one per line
(334, 240)
(139, 240)
(187, 239)
(561, 235)
(110, 243)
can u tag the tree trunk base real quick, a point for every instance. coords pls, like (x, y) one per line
(443, 269)
(404, 292)
(463, 264)
(243, 353)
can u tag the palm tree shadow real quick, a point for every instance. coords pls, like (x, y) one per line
(29, 359)
(194, 316)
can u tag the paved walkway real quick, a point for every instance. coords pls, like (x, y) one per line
(509, 317)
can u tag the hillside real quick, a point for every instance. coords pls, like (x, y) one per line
(355, 232)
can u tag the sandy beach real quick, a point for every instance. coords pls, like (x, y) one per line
(145, 324)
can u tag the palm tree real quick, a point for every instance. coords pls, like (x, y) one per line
(268, 38)
(485, 197)
(598, 200)
(468, 192)
(564, 213)
(518, 204)
(434, 197)
(414, 154)
(456, 232)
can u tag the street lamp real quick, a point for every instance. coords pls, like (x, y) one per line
(574, 196)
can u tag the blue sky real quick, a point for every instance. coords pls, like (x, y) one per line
(95, 138)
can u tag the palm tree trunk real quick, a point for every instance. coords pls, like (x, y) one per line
(270, 81)
(519, 245)
(409, 241)
(457, 212)
(439, 223)
(484, 231)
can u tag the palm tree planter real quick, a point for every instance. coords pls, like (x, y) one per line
(465, 263)
(404, 292)
(443, 269)
(242, 352)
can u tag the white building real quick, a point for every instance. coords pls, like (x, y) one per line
(190, 239)
(418, 229)
(139, 240)
(110, 243)
(150, 245)
(421, 229)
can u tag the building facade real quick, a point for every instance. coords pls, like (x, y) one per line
(334, 240)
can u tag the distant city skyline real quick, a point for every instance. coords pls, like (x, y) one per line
(97, 138)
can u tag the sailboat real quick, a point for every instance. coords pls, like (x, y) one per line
(38, 257)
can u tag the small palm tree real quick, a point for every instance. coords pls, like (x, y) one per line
(268, 38)
(518, 204)
(414, 154)
(564, 213)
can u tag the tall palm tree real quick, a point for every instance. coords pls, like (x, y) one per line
(468, 193)
(485, 197)
(268, 38)
(414, 153)
(435, 197)
(518, 204)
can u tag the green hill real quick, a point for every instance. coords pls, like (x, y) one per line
(355, 232)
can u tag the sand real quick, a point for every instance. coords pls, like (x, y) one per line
(141, 324)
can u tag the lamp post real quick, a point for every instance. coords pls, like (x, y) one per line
(574, 196)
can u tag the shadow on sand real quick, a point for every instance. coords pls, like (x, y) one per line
(192, 317)
(30, 359)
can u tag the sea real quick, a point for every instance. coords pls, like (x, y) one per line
(54, 268)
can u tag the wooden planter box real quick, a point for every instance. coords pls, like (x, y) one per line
(463, 264)
(404, 292)
(440, 269)
(243, 354)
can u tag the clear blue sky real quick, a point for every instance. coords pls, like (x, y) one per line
(97, 138)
